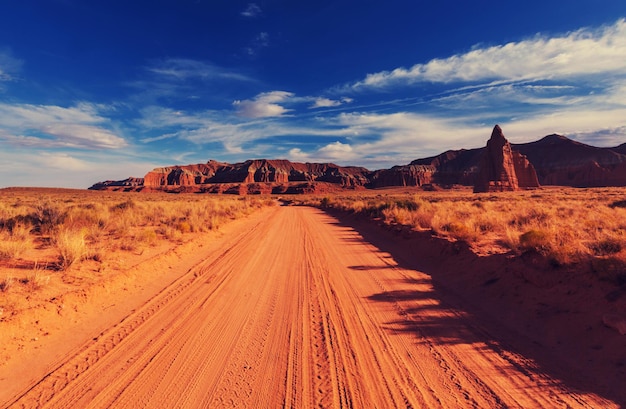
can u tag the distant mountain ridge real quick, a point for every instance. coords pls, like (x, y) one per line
(557, 160)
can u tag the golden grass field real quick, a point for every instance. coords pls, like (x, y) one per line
(51, 234)
(581, 228)
(53, 241)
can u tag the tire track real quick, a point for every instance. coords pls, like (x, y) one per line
(297, 311)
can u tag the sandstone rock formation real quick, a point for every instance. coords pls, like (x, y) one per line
(503, 169)
(408, 175)
(249, 177)
(564, 162)
(556, 160)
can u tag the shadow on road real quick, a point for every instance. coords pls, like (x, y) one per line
(540, 321)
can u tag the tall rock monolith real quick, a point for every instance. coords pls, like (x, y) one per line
(502, 169)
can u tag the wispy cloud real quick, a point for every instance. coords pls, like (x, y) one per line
(9, 66)
(182, 79)
(252, 11)
(264, 105)
(50, 126)
(262, 40)
(185, 69)
(585, 52)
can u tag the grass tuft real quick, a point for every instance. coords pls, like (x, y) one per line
(71, 246)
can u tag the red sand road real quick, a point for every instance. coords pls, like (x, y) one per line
(299, 311)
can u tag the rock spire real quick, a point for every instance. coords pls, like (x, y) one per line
(503, 169)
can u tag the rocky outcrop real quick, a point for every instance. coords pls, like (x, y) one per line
(502, 169)
(126, 184)
(408, 175)
(249, 177)
(556, 160)
(563, 162)
(453, 167)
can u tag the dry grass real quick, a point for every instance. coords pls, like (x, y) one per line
(568, 226)
(68, 227)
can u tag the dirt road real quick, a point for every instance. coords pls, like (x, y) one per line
(297, 310)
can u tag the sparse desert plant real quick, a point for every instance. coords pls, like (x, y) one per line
(36, 278)
(14, 244)
(71, 246)
(147, 236)
(6, 283)
(606, 246)
(537, 240)
(47, 216)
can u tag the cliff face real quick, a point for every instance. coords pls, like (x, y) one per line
(408, 175)
(564, 162)
(552, 160)
(256, 171)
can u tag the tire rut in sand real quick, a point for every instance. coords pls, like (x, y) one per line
(299, 311)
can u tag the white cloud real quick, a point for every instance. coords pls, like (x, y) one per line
(84, 136)
(252, 11)
(62, 169)
(63, 161)
(54, 126)
(322, 102)
(263, 105)
(337, 150)
(9, 66)
(580, 53)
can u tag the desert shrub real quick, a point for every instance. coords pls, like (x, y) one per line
(46, 217)
(147, 236)
(538, 240)
(6, 283)
(618, 203)
(183, 227)
(325, 202)
(532, 217)
(14, 243)
(71, 246)
(459, 231)
(606, 247)
(128, 204)
(36, 278)
(407, 204)
(11, 249)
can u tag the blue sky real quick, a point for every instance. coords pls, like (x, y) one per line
(95, 90)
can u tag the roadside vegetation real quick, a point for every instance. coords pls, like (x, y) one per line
(47, 232)
(570, 227)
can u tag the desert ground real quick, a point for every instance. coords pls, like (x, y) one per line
(391, 298)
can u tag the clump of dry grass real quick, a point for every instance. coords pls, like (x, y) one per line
(71, 246)
(36, 278)
(14, 243)
(6, 283)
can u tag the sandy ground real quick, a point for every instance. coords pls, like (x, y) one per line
(294, 308)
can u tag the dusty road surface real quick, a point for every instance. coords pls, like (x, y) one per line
(299, 311)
